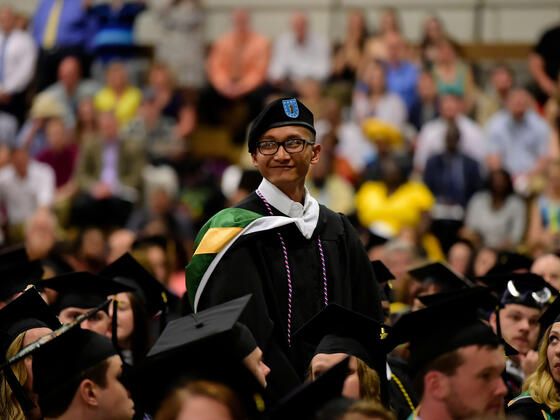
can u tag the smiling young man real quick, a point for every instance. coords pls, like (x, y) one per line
(294, 255)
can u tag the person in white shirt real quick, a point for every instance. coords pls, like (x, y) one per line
(25, 186)
(431, 139)
(18, 54)
(299, 54)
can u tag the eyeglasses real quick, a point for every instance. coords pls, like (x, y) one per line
(291, 146)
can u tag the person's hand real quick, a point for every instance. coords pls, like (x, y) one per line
(101, 191)
(529, 362)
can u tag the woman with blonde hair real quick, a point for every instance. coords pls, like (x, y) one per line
(23, 321)
(540, 397)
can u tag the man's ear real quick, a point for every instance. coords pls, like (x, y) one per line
(492, 321)
(254, 159)
(87, 392)
(436, 384)
(316, 152)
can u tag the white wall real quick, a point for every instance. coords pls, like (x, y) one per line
(500, 20)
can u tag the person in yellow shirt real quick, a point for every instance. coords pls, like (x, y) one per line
(118, 96)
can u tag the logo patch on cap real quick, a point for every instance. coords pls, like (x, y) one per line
(291, 108)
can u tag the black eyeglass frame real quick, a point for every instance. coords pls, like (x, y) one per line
(283, 144)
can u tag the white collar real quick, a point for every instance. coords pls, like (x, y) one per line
(307, 214)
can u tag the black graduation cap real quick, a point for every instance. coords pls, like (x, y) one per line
(551, 315)
(126, 270)
(17, 272)
(488, 303)
(303, 402)
(440, 274)
(527, 289)
(444, 327)
(508, 262)
(142, 241)
(26, 312)
(279, 113)
(83, 290)
(199, 346)
(337, 329)
(56, 360)
(383, 275)
(64, 358)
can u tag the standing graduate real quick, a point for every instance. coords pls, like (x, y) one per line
(294, 255)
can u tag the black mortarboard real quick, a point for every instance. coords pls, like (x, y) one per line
(82, 289)
(441, 328)
(144, 241)
(26, 312)
(382, 273)
(63, 359)
(337, 329)
(303, 402)
(527, 289)
(508, 262)
(61, 362)
(440, 274)
(485, 304)
(199, 346)
(279, 113)
(126, 270)
(551, 315)
(17, 272)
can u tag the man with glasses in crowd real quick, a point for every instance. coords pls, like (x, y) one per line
(279, 244)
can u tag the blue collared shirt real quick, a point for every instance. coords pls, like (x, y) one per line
(519, 144)
(75, 26)
(401, 79)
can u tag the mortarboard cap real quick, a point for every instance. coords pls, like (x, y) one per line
(59, 358)
(126, 270)
(337, 329)
(303, 402)
(26, 312)
(551, 315)
(199, 346)
(440, 274)
(63, 359)
(17, 272)
(279, 113)
(486, 304)
(382, 273)
(527, 289)
(382, 276)
(442, 328)
(508, 262)
(83, 290)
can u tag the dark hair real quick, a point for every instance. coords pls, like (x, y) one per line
(506, 175)
(140, 340)
(447, 364)
(56, 402)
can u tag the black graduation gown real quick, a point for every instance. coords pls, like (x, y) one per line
(526, 408)
(255, 264)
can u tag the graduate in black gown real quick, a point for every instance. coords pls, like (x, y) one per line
(295, 262)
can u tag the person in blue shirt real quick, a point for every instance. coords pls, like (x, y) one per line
(59, 37)
(401, 75)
